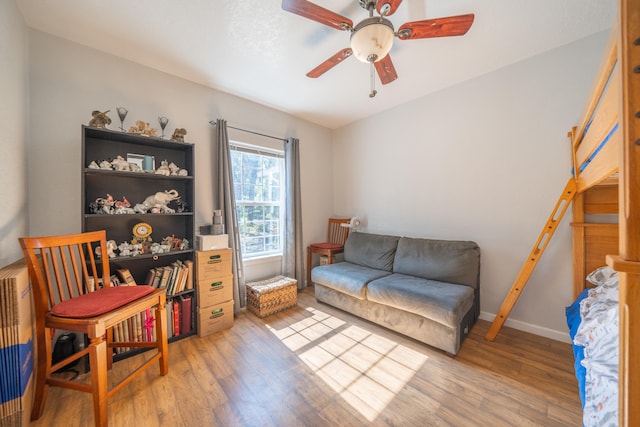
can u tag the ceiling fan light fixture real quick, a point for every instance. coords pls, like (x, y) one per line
(372, 39)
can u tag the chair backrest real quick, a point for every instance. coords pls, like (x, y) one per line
(64, 267)
(337, 233)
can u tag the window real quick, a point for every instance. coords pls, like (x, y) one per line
(258, 183)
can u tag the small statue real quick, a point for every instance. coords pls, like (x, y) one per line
(125, 248)
(99, 120)
(143, 128)
(102, 205)
(163, 169)
(178, 134)
(179, 205)
(136, 249)
(123, 207)
(120, 164)
(157, 203)
(111, 248)
(176, 170)
(105, 164)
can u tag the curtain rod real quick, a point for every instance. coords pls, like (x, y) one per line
(250, 131)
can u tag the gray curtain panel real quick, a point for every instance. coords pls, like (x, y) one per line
(292, 257)
(227, 203)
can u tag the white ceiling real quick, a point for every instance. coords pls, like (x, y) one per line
(254, 49)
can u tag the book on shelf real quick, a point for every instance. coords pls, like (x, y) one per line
(125, 277)
(185, 311)
(182, 278)
(176, 318)
(137, 328)
(189, 279)
(166, 275)
(169, 310)
(172, 287)
(157, 276)
(151, 274)
(148, 326)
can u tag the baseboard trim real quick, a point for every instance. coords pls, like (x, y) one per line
(562, 336)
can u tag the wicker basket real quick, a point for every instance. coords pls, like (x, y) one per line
(270, 296)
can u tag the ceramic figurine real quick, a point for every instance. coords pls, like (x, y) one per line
(163, 169)
(120, 164)
(178, 134)
(99, 120)
(157, 203)
(105, 164)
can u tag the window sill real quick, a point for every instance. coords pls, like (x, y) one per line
(262, 260)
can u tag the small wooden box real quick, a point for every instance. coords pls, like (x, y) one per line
(272, 295)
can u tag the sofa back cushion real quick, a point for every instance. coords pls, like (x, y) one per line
(452, 261)
(371, 250)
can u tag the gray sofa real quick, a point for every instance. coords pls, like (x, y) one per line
(426, 289)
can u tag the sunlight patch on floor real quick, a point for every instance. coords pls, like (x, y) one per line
(366, 369)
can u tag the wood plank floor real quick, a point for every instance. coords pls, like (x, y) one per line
(317, 366)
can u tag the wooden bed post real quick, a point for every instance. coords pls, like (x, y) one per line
(628, 261)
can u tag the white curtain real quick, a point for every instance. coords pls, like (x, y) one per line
(292, 259)
(227, 203)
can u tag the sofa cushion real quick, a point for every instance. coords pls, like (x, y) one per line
(446, 303)
(371, 250)
(451, 261)
(346, 277)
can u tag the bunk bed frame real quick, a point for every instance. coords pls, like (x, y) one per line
(605, 182)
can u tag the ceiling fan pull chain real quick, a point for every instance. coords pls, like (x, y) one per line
(373, 80)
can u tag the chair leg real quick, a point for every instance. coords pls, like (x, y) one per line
(98, 365)
(161, 336)
(43, 358)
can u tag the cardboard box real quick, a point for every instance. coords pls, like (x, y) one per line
(16, 345)
(212, 242)
(213, 264)
(214, 291)
(215, 318)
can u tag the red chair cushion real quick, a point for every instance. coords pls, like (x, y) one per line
(100, 302)
(327, 245)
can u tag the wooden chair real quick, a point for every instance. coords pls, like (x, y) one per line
(63, 272)
(336, 236)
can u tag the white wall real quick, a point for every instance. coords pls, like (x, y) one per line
(14, 69)
(486, 161)
(68, 81)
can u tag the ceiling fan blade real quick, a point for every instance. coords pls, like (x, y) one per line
(386, 70)
(316, 13)
(440, 27)
(330, 63)
(391, 4)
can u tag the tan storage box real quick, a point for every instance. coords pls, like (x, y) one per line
(215, 318)
(271, 295)
(212, 264)
(215, 291)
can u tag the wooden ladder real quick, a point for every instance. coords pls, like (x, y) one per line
(530, 264)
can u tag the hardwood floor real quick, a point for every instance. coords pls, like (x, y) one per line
(317, 366)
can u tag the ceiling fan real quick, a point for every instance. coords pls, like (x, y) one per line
(372, 38)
